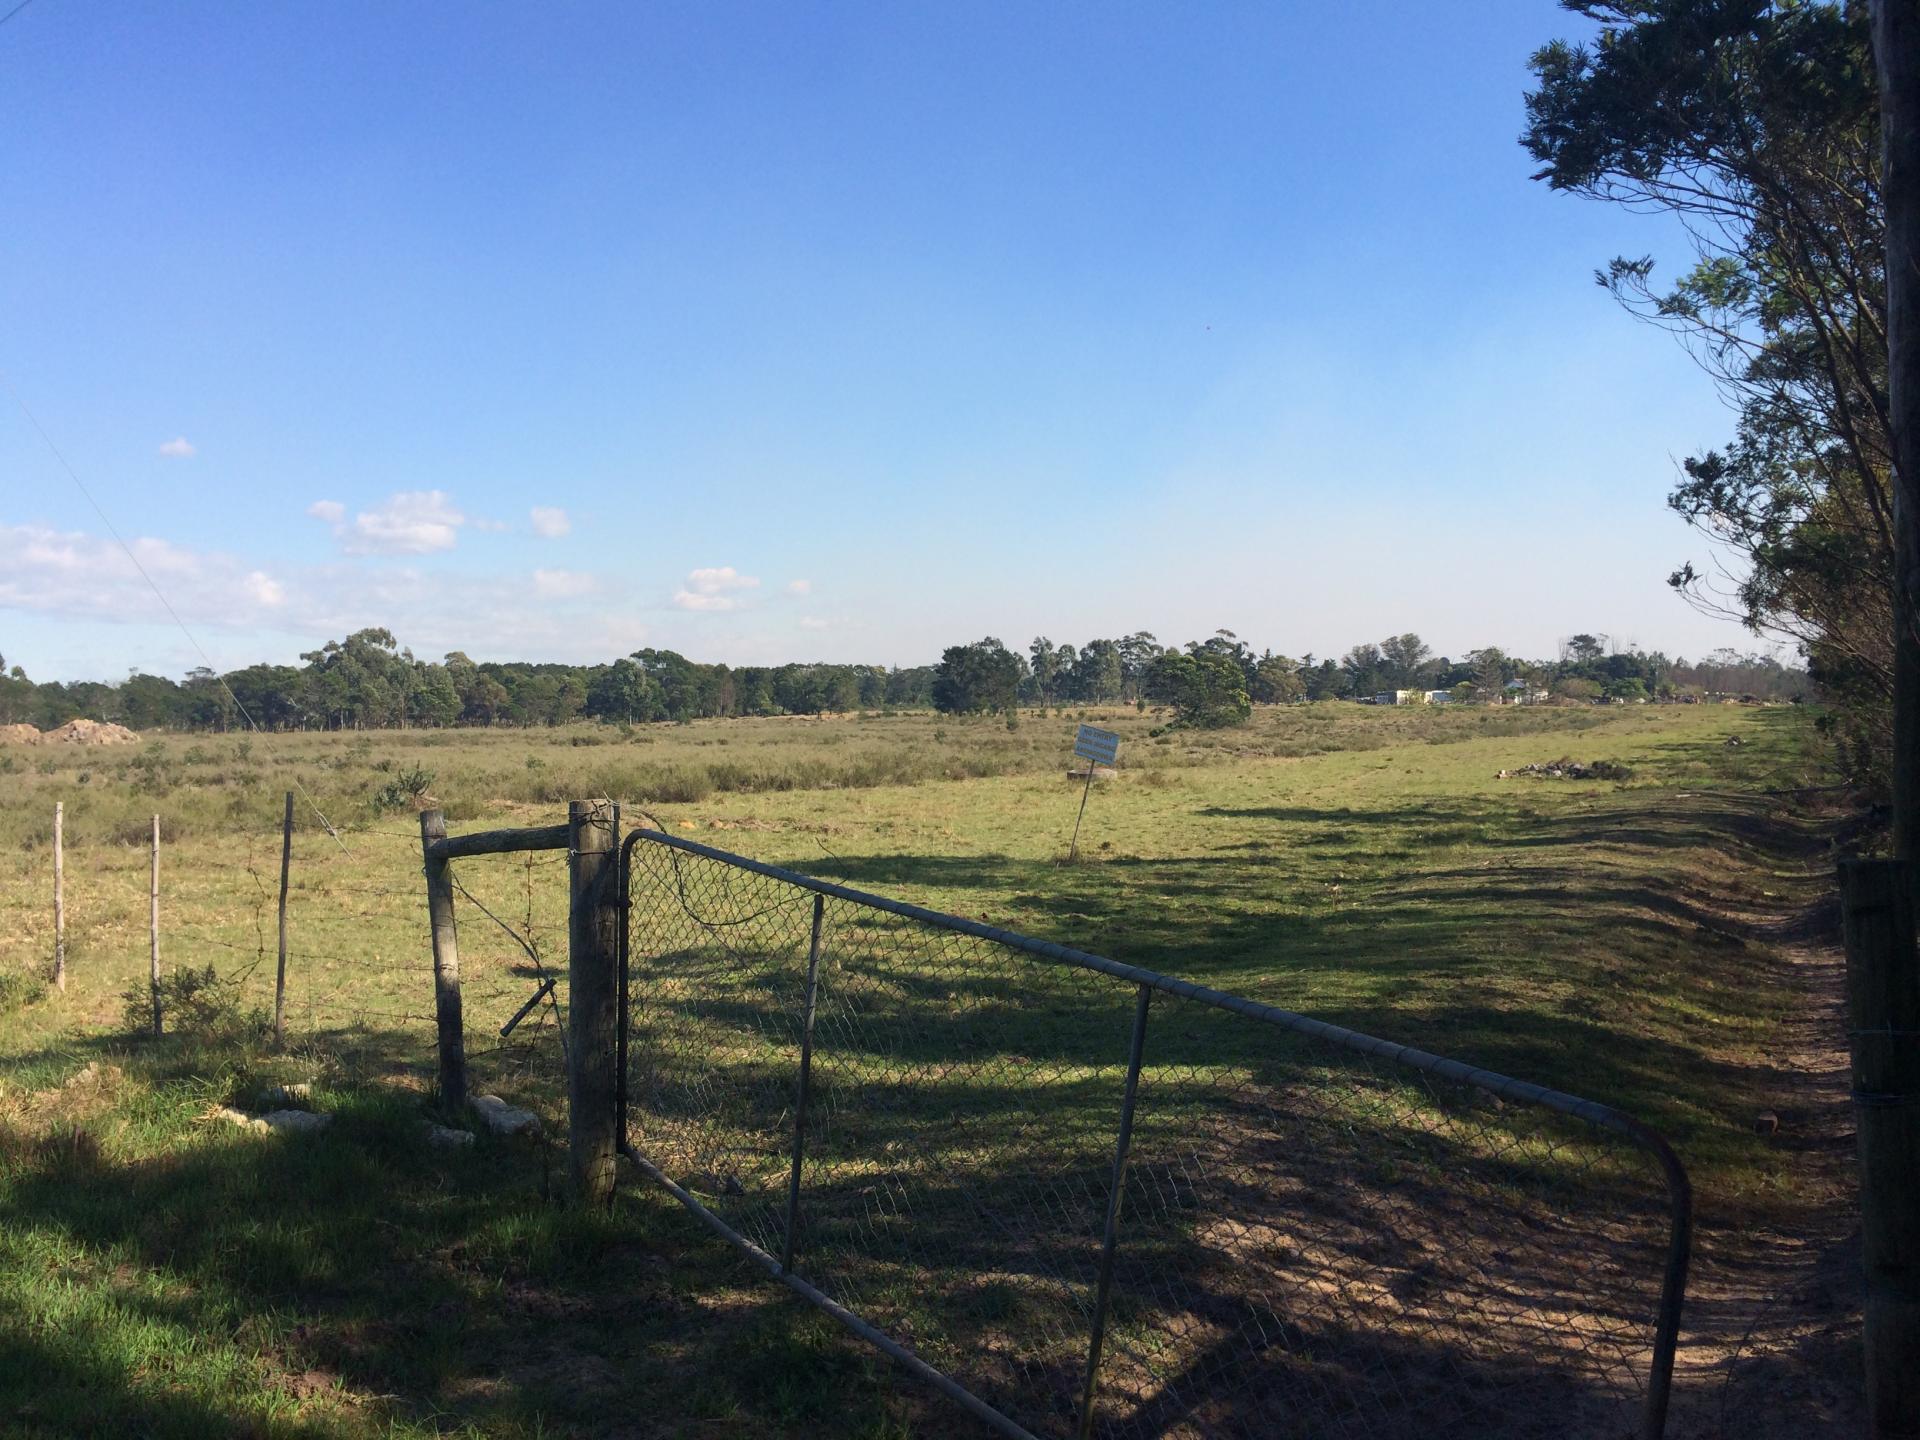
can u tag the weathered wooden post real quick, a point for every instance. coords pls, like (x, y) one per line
(153, 926)
(446, 964)
(59, 894)
(280, 975)
(593, 996)
(1883, 1012)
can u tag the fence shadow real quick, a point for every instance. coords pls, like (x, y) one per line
(361, 1279)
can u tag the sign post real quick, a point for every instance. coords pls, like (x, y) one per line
(1096, 747)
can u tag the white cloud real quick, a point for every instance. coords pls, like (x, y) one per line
(162, 559)
(713, 589)
(265, 589)
(689, 600)
(331, 511)
(561, 584)
(74, 575)
(481, 522)
(799, 587)
(814, 622)
(719, 581)
(88, 586)
(550, 521)
(489, 616)
(411, 522)
(178, 448)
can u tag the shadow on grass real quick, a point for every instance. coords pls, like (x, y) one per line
(192, 1279)
(1305, 1234)
(1566, 948)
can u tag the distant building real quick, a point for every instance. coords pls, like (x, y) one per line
(1518, 692)
(1401, 697)
(1439, 697)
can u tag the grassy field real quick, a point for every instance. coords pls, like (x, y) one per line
(162, 1274)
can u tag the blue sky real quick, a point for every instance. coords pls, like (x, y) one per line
(770, 332)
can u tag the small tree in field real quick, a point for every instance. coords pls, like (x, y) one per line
(982, 676)
(1206, 688)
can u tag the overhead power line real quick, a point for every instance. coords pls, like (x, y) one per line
(158, 593)
(14, 11)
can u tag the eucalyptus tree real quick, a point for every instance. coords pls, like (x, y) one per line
(1756, 124)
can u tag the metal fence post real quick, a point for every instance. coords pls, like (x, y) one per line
(806, 1075)
(446, 964)
(1110, 1242)
(623, 1018)
(593, 997)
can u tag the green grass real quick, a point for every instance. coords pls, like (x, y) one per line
(161, 1274)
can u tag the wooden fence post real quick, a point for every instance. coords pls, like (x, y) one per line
(153, 926)
(1883, 1012)
(593, 996)
(59, 894)
(280, 976)
(446, 965)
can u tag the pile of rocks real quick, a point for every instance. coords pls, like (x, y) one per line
(288, 1109)
(495, 1114)
(284, 1110)
(1565, 769)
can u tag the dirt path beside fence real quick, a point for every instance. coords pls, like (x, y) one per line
(1770, 1348)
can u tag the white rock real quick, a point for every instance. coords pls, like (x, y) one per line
(238, 1117)
(289, 1121)
(503, 1119)
(445, 1137)
(286, 1097)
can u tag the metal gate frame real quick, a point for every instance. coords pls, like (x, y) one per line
(1678, 1186)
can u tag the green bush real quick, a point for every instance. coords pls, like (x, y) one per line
(407, 788)
(19, 989)
(193, 1002)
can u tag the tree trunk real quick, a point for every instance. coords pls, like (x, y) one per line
(1896, 52)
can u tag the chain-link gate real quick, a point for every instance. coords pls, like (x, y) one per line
(1087, 1199)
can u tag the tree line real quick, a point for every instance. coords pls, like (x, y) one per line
(369, 681)
(1215, 681)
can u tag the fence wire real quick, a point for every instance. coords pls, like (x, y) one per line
(359, 975)
(1312, 1233)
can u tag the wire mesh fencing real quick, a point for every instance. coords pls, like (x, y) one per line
(1095, 1200)
(359, 969)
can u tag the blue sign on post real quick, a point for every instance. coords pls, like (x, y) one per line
(1101, 747)
(1096, 747)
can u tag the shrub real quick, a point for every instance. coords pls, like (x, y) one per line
(408, 787)
(195, 1002)
(18, 989)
